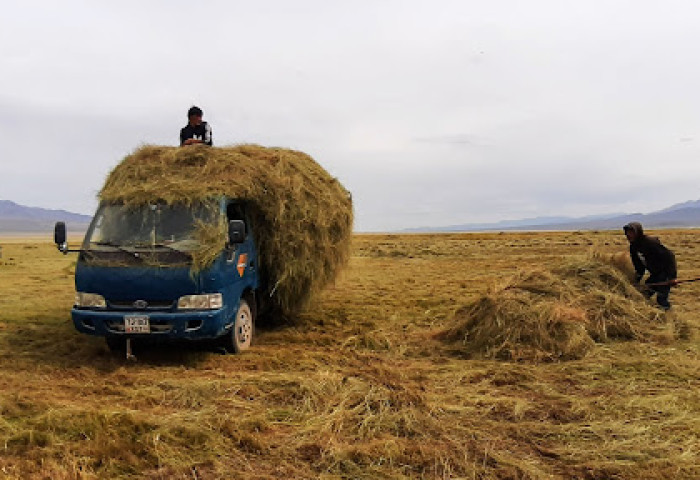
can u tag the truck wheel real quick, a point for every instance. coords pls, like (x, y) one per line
(242, 332)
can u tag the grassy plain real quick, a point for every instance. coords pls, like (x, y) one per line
(359, 387)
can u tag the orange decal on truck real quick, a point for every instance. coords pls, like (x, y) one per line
(242, 262)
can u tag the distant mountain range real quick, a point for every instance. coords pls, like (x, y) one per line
(15, 218)
(686, 214)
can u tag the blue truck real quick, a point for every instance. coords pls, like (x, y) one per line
(134, 275)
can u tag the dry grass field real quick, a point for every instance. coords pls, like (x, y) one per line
(361, 386)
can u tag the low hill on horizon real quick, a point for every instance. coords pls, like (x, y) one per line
(680, 215)
(16, 218)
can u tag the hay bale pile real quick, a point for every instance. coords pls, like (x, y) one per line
(559, 313)
(302, 216)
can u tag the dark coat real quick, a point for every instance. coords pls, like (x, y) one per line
(648, 253)
(200, 132)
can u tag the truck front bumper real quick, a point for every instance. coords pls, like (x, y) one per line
(189, 325)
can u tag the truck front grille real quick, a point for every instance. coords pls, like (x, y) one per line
(151, 305)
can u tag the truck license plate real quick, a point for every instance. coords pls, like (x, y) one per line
(136, 324)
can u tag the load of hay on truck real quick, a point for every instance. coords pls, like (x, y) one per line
(193, 242)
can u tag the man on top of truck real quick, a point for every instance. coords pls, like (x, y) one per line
(196, 131)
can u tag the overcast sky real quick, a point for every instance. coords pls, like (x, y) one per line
(430, 112)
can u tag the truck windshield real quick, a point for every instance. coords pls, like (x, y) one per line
(156, 226)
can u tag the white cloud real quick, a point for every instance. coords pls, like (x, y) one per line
(430, 112)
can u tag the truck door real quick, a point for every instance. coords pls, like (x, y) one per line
(241, 261)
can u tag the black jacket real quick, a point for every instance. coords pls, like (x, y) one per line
(648, 253)
(199, 132)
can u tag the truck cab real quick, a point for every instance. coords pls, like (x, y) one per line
(167, 271)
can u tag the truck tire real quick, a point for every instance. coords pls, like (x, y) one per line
(241, 335)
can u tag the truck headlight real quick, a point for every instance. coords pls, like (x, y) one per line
(209, 301)
(89, 300)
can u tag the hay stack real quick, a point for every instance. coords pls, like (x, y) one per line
(615, 309)
(302, 216)
(528, 317)
(557, 314)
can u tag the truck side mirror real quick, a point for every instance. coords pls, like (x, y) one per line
(236, 232)
(59, 235)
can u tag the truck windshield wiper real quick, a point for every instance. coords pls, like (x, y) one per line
(133, 250)
(171, 248)
(151, 247)
(113, 245)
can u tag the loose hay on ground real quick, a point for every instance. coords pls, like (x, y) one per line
(557, 314)
(302, 216)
